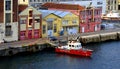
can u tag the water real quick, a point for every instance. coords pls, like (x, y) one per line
(106, 55)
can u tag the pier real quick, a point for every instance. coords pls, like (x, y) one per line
(34, 45)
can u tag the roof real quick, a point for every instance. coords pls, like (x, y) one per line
(44, 13)
(63, 6)
(25, 12)
(56, 12)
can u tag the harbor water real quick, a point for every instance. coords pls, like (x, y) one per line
(106, 55)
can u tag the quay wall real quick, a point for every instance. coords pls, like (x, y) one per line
(36, 46)
(100, 37)
(29, 49)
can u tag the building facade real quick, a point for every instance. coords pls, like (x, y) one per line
(37, 3)
(51, 24)
(70, 23)
(86, 3)
(89, 18)
(29, 24)
(57, 23)
(8, 20)
(96, 3)
(113, 5)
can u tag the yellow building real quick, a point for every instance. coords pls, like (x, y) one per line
(70, 23)
(57, 23)
(51, 24)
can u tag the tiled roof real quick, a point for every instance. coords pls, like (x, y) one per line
(56, 12)
(63, 6)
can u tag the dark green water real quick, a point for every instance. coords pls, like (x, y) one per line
(106, 55)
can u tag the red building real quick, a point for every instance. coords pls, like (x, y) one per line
(29, 24)
(90, 18)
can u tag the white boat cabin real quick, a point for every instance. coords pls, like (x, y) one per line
(75, 45)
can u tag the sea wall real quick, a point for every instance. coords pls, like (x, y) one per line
(29, 49)
(108, 36)
(90, 38)
(100, 37)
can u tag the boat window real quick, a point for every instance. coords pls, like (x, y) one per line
(69, 45)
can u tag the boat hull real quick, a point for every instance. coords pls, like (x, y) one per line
(80, 52)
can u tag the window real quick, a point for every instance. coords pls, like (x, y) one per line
(74, 21)
(8, 31)
(108, 2)
(8, 5)
(55, 28)
(37, 20)
(30, 0)
(44, 29)
(99, 3)
(89, 20)
(88, 26)
(72, 45)
(118, 7)
(8, 18)
(65, 22)
(22, 21)
(30, 13)
(30, 22)
(50, 25)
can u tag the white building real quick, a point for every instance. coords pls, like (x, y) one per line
(94, 3)
(8, 20)
(38, 3)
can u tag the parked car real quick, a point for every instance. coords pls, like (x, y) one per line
(53, 38)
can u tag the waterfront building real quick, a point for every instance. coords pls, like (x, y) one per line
(50, 23)
(29, 23)
(86, 3)
(8, 20)
(96, 3)
(56, 23)
(89, 17)
(37, 3)
(70, 23)
(112, 16)
(112, 5)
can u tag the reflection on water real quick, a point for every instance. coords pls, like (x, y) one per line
(105, 56)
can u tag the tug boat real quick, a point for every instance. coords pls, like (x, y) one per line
(73, 47)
